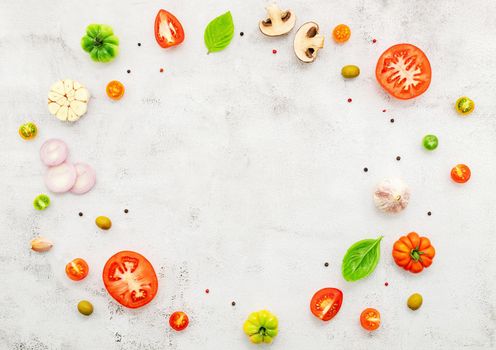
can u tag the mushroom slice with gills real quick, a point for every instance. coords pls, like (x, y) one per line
(60, 178)
(308, 42)
(86, 178)
(277, 22)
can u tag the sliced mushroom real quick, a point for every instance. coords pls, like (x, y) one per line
(277, 22)
(308, 42)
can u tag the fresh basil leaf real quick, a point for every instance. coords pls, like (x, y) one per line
(219, 32)
(361, 259)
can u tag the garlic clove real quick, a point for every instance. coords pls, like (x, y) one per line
(391, 195)
(41, 244)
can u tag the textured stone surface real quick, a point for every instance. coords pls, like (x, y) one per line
(242, 173)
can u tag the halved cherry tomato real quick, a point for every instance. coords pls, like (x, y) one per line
(326, 303)
(460, 173)
(404, 71)
(28, 131)
(130, 279)
(168, 30)
(341, 33)
(115, 90)
(370, 319)
(178, 321)
(77, 269)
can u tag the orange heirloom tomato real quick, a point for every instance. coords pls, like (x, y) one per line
(77, 269)
(178, 321)
(341, 33)
(460, 173)
(413, 253)
(115, 90)
(370, 319)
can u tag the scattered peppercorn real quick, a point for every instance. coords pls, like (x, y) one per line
(365, 169)
(161, 70)
(429, 213)
(398, 158)
(374, 41)
(207, 290)
(326, 264)
(126, 211)
(139, 44)
(128, 71)
(349, 100)
(392, 120)
(233, 303)
(274, 51)
(80, 214)
(241, 34)
(383, 111)
(386, 284)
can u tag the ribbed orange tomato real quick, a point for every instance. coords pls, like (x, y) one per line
(413, 252)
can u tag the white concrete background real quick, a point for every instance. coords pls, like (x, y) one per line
(242, 173)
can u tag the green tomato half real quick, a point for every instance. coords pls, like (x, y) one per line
(100, 42)
(41, 202)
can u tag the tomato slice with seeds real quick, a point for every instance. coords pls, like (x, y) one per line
(326, 303)
(168, 30)
(460, 173)
(115, 90)
(178, 321)
(370, 319)
(130, 279)
(77, 269)
(404, 71)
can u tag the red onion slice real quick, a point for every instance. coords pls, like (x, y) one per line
(86, 178)
(60, 178)
(53, 152)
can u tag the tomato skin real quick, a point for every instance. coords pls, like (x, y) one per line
(415, 65)
(460, 173)
(370, 319)
(171, 28)
(115, 90)
(130, 279)
(77, 269)
(178, 321)
(413, 253)
(326, 303)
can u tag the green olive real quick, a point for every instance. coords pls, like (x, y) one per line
(414, 301)
(85, 307)
(103, 222)
(350, 71)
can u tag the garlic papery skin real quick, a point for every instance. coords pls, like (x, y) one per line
(391, 195)
(41, 244)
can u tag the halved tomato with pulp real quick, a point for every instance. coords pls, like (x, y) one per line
(326, 303)
(168, 30)
(404, 71)
(130, 279)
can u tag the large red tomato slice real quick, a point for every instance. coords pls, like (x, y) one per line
(168, 30)
(326, 303)
(404, 71)
(130, 279)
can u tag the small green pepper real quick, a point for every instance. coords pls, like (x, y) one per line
(41, 202)
(85, 307)
(350, 71)
(100, 42)
(261, 327)
(430, 142)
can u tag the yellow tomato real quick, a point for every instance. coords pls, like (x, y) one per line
(341, 33)
(28, 131)
(464, 105)
(115, 90)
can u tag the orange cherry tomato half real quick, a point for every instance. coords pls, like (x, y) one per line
(341, 33)
(178, 321)
(404, 71)
(77, 269)
(168, 30)
(115, 90)
(28, 131)
(130, 279)
(325, 304)
(461, 173)
(370, 319)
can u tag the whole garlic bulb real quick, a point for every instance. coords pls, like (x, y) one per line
(391, 195)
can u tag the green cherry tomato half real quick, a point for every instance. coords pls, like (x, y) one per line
(100, 42)
(464, 105)
(261, 327)
(430, 142)
(41, 202)
(28, 131)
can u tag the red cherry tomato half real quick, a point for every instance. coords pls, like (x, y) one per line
(130, 279)
(168, 30)
(326, 303)
(404, 71)
(370, 319)
(178, 321)
(77, 269)
(461, 173)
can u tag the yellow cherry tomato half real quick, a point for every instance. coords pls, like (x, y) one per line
(28, 131)
(460, 173)
(115, 90)
(464, 105)
(341, 33)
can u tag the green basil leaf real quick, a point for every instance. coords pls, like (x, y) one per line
(361, 259)
(219, 32)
